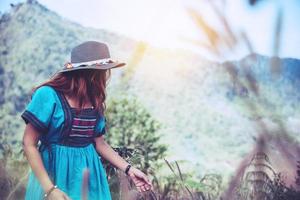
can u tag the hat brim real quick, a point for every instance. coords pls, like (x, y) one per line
(99, 67)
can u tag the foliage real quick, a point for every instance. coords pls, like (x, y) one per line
(199, 101)
(182, 186)
(195, 99)
(131, 128)
(13, 174)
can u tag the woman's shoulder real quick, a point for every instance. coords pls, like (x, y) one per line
(45, 92)
(45, 89)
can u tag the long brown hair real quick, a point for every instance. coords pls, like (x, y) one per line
(85, 85)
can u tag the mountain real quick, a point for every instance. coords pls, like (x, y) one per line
(210, 111)
(34, 43)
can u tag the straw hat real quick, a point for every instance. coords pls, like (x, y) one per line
(91, 55)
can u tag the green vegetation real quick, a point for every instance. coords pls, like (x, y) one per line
(134, 134)
(131, 126)
(197, 108)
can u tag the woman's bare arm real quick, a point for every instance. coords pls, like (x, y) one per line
(30, 140)
(109, 154)
(140, 179)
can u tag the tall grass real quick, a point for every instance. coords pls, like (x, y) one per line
(219, 43)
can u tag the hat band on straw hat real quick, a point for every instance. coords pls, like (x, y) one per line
(94, 62)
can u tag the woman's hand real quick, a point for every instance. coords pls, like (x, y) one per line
(140, 179)
(57, 194)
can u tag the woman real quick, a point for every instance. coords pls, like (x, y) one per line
(66, 114)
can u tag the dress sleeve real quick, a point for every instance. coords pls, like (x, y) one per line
(100, 128)
(40, 109)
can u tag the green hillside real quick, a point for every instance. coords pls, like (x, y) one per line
(205, 115)
(34, 43)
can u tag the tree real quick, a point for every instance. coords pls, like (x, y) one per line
(130, 126)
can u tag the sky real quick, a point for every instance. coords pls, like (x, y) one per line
(168, 24)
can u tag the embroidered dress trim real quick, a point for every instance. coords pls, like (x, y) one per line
(79, 125)
(83, 126)
(68, 118)
(29, 117)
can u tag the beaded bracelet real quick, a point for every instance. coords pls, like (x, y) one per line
(48, 193)
(127, 169)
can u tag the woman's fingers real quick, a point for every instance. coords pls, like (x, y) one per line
(136, 181)
(139, 184)
(144, 182)
(142, 186)
(145, 188)
(148, 187)
(146, 179)
(141, 180)
(139, 189)
(143, 176)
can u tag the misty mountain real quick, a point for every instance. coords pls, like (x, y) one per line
(203, 105)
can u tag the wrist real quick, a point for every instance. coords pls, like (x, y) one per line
(48, 187)
(128, 167)
(48, 192)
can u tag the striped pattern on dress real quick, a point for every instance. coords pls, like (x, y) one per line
(83, 126)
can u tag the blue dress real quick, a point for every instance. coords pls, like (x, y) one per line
(66, 146)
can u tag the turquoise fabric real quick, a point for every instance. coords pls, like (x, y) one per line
(100, 127)
(46, 112)
(42, 105)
